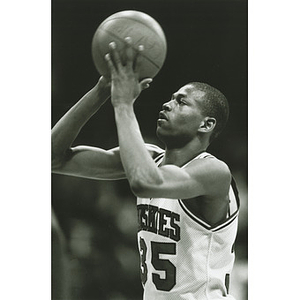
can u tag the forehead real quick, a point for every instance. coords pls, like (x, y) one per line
(190, 91)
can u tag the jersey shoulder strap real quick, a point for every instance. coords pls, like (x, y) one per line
(199, 156)
(158, 159)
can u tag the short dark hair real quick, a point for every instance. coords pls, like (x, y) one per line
(215, 105)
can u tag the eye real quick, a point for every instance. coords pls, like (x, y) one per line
(180, 100)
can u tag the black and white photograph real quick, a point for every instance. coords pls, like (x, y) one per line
(149, 186)
(149, 149)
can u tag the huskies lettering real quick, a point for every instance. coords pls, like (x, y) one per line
(159, 221)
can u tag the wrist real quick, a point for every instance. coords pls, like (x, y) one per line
(121, 107)
(102, 89)
(122, 100)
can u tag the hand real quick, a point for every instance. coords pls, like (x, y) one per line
(124, 77)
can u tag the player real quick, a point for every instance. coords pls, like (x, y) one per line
(187, 201)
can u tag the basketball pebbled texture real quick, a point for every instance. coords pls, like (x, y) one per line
(143, 30)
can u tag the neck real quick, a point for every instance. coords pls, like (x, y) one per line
(180, 156)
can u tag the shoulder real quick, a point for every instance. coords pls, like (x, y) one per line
(214, 164)
(214, 173)
(210, 162)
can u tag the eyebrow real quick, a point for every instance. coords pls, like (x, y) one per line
(178, 95)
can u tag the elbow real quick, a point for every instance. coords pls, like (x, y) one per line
(144, 189)
(138, 189)
(56, 165)
(57, 160)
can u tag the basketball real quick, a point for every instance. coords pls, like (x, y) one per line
(143, 30)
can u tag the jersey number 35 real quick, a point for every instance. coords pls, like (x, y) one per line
(162, 283)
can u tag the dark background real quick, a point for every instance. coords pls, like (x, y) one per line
(94, 249)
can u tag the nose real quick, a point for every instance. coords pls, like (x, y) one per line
(167, 106)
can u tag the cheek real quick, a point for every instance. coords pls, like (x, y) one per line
(188, 123)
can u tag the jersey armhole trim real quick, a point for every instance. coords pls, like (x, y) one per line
(219, 225)
(207, 226)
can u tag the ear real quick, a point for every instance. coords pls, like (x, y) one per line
(207, 125)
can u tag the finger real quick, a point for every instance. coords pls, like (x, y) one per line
(138, 58)
(114, 55)
(110, 64)
(145, 83)
(130, 53)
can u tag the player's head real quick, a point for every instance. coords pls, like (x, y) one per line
(195, 110)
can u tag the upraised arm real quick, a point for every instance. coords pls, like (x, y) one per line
(67, 128)
(86, 161)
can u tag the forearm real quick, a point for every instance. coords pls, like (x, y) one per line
(139, 166)
(67, 128)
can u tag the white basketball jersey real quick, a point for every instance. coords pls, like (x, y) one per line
(181, 256)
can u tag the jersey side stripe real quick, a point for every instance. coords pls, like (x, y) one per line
(236, 192)
(235, 214)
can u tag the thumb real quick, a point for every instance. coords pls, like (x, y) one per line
(145, 83)
(105, 80)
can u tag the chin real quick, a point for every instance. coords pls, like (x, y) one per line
(158, 134)
(165, 138)
(161, 135)
(172, 140)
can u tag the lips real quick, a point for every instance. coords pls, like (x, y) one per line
(162, 116)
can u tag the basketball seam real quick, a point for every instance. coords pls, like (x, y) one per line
(134, 21)
(115, 36)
